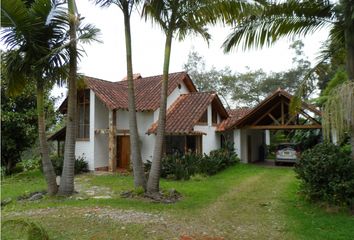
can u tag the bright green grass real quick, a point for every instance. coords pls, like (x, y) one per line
(241, 189)
(16, 185)
(196, 194)
(310, 221)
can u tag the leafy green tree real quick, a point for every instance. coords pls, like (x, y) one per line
(18, 115)
(251, 87)
(32, 30)
(126, 6)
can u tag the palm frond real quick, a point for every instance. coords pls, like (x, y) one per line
(289, 19)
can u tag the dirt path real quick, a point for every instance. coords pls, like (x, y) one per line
(250, 210)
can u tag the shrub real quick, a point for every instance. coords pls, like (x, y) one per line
(81, 165)
(180, 167)
(327, 174)
(30, 164)
(58, 162)
(183, 167)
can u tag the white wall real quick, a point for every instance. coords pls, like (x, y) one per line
(86, 148)
(101, 140)
(172, 98)
(144, 121)
(123, 119)
(147, 143)
(211, 141)
(237, 143)
(240, 139)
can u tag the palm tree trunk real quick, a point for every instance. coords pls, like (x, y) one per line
(138, 167)
(67, 179)
(349, 44)
(154, 176)
(48, 169)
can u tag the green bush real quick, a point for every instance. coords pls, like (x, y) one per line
(183, 167)
(58, 162)
(30, 164)
(180, 167)
(327, 174)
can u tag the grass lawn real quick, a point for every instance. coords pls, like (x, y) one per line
(242, 202)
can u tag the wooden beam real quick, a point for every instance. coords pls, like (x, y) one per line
(291, 119)
(282, 112)
(265, 114)
(112, 141)
(274, 119)
(309, 117)
(279, 127)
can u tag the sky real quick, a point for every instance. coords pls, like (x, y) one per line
(107, 60)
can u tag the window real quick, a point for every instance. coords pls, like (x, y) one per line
(214, 116)
(83, 109)
(204, 118)
(181, 145)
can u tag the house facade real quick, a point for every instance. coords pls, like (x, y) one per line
(195, 121)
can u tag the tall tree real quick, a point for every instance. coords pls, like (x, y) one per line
(126, 6)
(67, 178)
(31, 30)
(178, 18)
(249, 88)
(299, 18)
(18, 115)
(84, 33)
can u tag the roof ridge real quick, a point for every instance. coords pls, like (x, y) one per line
(195, 93)
(96, 79)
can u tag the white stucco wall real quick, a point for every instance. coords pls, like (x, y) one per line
(172, 98)
(123, 119)
(147, 143)
(101, 140)
(211, 141)
(86, 148)
(237, 143)
(240, 140)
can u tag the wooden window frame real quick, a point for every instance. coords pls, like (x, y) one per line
(204, 118)
(83, 101)
(214, 116)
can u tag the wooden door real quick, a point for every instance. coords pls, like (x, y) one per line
(123, 152)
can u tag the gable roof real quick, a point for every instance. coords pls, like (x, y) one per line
(234, 116)
(186, 111)
(269, 103)
(147, 90)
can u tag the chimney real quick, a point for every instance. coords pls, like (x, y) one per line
(136, 76)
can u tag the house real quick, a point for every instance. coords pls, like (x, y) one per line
(195, 122)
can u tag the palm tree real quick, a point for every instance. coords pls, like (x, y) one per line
(299, 18)
(126, 6)
(178, 18)
(86, 33)
(31, 32)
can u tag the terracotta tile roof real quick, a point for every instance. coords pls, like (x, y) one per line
(235, 115)
(147, 90)
(185, 112)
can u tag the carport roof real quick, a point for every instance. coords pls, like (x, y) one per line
(273, 113)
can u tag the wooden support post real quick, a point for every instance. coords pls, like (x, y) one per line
(112, 141)
(282, 112)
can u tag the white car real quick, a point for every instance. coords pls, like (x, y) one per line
(287, 153)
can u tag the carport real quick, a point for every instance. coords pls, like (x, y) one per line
(251, 132)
